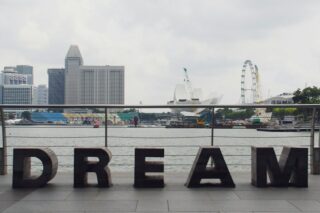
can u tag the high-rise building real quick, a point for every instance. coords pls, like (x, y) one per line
(21, 74)
(92, 84)
(40, 95)
(17, 94)
(26, 70)
(56, 84)
(73, 61)
(16, 85)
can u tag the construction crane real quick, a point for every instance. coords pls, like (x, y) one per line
(188, 83)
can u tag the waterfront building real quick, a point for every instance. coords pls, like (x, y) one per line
(284, 98)
(40, 95)
(56, 85)
(92, 84)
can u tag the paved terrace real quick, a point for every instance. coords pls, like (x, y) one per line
(60, 196)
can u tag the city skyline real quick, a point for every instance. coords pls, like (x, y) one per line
(154, 41)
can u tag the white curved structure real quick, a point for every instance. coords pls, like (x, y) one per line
(185, 94)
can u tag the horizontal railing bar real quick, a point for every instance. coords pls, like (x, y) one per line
(178, 146)
(225, 155)
(82, 106)
(177, 137)
(111, 164)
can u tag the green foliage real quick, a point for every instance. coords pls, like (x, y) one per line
(281, 112)
(234, 114)
(26, 115)
(309, 95)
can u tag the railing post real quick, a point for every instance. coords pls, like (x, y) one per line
(3, 154)
(212, 131)
(106, 127)
(314, 165)
(212, 126)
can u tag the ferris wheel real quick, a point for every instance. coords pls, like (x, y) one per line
(254, 88)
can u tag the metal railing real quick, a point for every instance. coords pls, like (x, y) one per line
(212, 136)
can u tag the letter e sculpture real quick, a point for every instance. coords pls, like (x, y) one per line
(142, 167)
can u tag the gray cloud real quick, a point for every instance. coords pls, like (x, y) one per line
(154, 39)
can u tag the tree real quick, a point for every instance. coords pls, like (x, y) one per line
(26, 115)
(239, 114)
(309, 95)
(281, 112)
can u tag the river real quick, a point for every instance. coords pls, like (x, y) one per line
(181, 145)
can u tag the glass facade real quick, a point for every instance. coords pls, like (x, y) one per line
(26, 70)
(17, 94)
(56, 87)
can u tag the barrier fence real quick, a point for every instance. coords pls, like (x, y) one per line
(180, 144)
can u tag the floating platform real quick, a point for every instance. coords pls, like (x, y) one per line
(286, 129)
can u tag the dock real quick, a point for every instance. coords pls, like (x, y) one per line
(60, 196)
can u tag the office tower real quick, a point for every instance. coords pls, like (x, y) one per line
(40, 95)
(16, 85)
(56, 84)
(26, 70)
(92, 84)
(17, 94)
(73, 61)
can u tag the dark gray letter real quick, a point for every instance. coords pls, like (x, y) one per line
(82, 166)
(292, 169)
(141, 167)
(201, 171)
(21, 177)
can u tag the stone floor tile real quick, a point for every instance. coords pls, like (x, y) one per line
(6, 204)
(82, 195)
(14, 194)
(306, 205)
(232, 205)
(223, 195)
(152, 206)
(47, 195)
(279, 194)
(47, 206)
(111, 206)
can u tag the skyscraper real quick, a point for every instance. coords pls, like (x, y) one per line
(16, 85)
(73, 61)
(40, 95)
(17, 94)
(26, 70)
(92, 84)
(56, 84)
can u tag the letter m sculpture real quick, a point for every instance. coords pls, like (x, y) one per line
(292, 169)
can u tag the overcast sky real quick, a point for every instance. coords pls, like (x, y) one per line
(155, 39)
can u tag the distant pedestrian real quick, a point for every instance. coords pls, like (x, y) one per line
(135, 121)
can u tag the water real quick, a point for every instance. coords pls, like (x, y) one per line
(179, 152)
